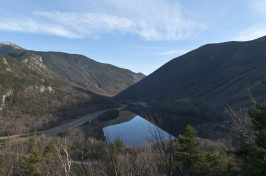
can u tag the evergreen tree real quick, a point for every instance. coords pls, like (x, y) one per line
(187, 152)
(253, 155)
(191, 161)
(29, 164)
(211, 164)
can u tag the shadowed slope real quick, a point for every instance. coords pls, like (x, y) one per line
(211, 76)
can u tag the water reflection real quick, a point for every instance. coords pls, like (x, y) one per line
(134, 132)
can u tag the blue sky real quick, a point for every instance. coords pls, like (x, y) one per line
(140, 35)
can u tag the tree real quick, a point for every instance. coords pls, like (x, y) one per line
(253, 154)
(187, 152)
(29, 165)
(211, 164)
(191, 161)
(163, 143)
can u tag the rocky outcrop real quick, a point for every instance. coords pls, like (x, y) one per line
(9, 93)
(8, 67)
(34, 62)
(42, 89)
(38, 89)
(49, 88)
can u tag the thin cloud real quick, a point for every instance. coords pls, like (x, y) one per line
(150, 20)
(174, 52)
(70, 25)
(89, 24)
(31, 26)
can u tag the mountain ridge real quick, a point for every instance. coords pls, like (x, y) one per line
(210, 76)
(77, 69)
(39, 90)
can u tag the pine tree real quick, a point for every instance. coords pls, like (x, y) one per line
(253, 155)
(211, 164)
(187, 152)
(190, 160)
(29, 164)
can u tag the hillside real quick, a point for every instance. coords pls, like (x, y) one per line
(77, 70)
(39, 90)
(207, 78)
(104, 79)
(29, 100)
(8, 47)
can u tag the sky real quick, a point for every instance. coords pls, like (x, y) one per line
(139, 35)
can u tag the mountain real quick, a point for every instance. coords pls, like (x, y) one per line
(104, 79)
(207, 78)
(39, 90)
(30, 100)
(78, 70)
(8, 47)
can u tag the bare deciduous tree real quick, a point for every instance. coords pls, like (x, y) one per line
(163, 142)
(240, 123)
(62, 153)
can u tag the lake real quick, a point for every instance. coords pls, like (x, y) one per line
(134, 132)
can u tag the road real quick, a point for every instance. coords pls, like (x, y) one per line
(63, 128)
(59, 129)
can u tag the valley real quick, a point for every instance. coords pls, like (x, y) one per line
(132, 88)
(40, 92)
(53, 96)
(53, 88)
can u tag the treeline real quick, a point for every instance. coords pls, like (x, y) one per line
(38, 102)
(75, 154)
(109, 115)
(23, 114)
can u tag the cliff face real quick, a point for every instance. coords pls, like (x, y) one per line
(34, 62)
(9, 93)
(6, 64)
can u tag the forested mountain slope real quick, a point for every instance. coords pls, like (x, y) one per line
(209, 77)
(78, 70)
(39, 90)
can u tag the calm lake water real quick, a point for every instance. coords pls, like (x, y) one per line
(133, 132)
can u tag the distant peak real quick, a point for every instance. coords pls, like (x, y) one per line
(10, 44)
(141, 74)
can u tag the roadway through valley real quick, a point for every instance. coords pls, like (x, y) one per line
(59, 129)
(63, 128)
